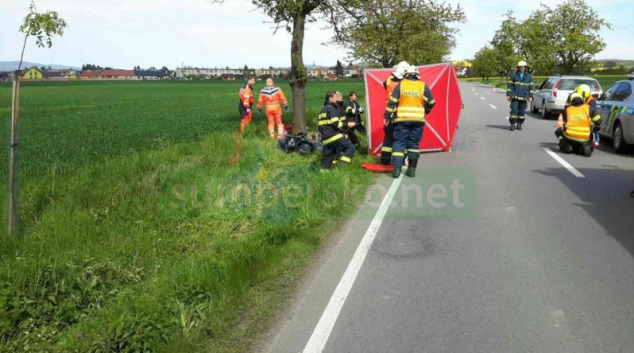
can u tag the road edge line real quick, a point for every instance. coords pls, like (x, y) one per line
(326, 323)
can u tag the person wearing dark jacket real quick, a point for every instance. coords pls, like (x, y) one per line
(353, 120)
(520, 89)
(334, 143)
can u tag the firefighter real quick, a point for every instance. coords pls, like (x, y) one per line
(580, 120)
(412, 99)
(272, 96)
(333, 141)
(389, 85)
(586, 93)
(353, 111)
(520, 89)
(246, 102)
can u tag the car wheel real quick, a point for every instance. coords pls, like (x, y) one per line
(545, 112)
(618, 143)
(533, 109)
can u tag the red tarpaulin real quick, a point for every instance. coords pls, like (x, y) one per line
(441, 122)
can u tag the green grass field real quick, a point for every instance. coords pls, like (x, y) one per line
(103, 264)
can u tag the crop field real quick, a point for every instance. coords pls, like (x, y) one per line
(102, 264)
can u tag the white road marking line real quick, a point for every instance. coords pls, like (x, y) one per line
(507, 118)
(322, 331)
(564, 163)
(492, 106)
(477, 94)
(483, 98)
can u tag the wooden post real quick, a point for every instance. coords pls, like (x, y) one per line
(13, 161)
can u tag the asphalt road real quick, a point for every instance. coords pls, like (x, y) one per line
(539, 258)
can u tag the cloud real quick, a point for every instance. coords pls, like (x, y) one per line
(125, 33)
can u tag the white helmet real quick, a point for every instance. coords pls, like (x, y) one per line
(403, 64)
(521, 63)
(411, 70)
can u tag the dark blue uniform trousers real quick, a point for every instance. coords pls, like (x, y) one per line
(518, 107)
(407, 136)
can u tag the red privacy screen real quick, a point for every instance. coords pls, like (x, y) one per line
(441, 122)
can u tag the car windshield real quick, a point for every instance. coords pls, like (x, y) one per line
(568, 84)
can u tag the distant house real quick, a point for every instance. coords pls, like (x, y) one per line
(31, 74)
(118, 75)
(6, 76)
(332, 77)
(149, 75)
(90, 75)
(228, 77)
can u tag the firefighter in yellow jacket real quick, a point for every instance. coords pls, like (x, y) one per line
(580, 120)
(409, 102)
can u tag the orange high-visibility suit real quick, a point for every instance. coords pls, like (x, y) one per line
(272, 97)
(246, 102)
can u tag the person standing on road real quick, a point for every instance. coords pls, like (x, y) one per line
(353, 119)
(388, 130)
(407, 107)
(520, 89)
(246, 102)
(272, 96)
(334, 143)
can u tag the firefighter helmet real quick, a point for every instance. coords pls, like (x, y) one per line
(584, 90)
(412, 70)
(576, 99)
(522, 63)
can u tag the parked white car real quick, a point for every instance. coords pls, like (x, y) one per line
(550, 97)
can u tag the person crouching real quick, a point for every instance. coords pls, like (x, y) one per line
(330, 124)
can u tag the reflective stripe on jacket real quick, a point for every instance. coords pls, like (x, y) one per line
(272, 97)
(412, 99)
(520, 88)
(330, 123)
(246, 95)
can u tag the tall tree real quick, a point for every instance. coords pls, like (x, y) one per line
(293, 15)
(339, 69)
(580, 41)
(43, 26)
(507, 45)
(485, 63)
(385, 32)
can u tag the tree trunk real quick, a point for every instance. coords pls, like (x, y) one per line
(13, 162)
(297, 76)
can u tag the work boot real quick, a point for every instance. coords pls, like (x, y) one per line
(410, 172)
(512, 126)
(396, 173)
(587, 150)
(519, 126)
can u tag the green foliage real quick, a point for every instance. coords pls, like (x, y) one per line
(385, 32)
(563, 38)
(485, 63)
(43, 26)
(98, 269)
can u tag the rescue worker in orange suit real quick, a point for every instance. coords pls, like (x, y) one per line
(246, 102)
(353, 111)
(271, 97)
(389, 85)
(580, 120)
(333, 141)
(408, 104)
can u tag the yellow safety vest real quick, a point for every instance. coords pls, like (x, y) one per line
(578, 125)
(411, 106)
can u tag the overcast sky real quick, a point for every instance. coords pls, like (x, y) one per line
(126, 33)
